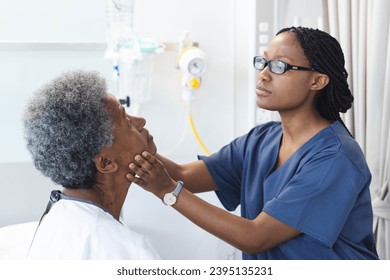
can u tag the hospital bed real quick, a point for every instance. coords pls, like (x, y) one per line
(15, 240)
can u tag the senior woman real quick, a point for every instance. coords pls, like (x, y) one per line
(81, 138)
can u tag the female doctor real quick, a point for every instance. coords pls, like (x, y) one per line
(302, 183)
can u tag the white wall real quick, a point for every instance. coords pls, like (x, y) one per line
(226, 32)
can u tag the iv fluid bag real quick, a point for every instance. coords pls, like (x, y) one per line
(135, 79)
(132, 69)
(120, 31)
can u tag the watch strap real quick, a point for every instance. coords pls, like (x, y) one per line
(178, 188)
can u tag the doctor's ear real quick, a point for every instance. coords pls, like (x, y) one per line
(319, 81)
(105, 164)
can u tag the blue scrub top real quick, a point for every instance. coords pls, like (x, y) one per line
(322, 190)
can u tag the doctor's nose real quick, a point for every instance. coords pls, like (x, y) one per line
(263, 75)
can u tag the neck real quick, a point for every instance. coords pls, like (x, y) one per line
(299, 128)
(110, 198)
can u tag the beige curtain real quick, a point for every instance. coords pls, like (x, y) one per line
(363, 30)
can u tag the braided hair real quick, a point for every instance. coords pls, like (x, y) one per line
(326, 56)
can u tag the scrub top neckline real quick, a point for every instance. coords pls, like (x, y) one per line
(301, 148)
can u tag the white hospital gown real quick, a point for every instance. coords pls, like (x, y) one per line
(76, 230)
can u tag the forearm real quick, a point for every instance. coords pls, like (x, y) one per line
(237, 231)
(251, 236)
(195, 174)
(174, 169)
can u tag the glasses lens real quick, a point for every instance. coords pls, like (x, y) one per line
(277, 67)
(259, 63)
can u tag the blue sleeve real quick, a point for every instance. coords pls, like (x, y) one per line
(228, 165)
(319, 198)
(225, 167)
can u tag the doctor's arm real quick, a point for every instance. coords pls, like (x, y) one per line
(250, 236)
(195, 174)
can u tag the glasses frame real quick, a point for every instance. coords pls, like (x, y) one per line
(285, 64)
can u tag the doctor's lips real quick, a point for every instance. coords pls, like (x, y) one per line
(262, 90)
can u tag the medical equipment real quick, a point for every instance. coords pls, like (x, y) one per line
(192, 64)
(131, 56)
(132, 61)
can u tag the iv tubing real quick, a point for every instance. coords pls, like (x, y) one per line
(194, 131)
(181, 140)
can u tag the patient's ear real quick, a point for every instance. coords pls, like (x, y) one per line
(105, 163)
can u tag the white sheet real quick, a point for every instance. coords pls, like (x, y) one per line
(16, 239)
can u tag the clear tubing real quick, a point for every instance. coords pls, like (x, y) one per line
(182, 137)
(189, 122)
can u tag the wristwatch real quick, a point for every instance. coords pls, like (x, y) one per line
(171, 198)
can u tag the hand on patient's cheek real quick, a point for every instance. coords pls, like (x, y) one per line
(152, 174)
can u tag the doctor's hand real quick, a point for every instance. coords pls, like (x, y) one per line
(150, 174)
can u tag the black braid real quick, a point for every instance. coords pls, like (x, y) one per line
(326, 56)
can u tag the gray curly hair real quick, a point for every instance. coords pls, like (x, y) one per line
(66, 124)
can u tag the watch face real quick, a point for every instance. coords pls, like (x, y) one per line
(169, 199)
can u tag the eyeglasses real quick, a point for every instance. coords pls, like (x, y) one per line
(276, 66)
